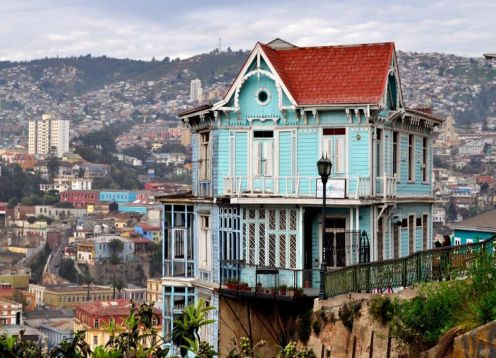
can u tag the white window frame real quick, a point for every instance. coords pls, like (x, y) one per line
(411, 154)
(425, 159)
(263, 155)
(330, 145)
(396, 153)
(204, 155)
(205, 243)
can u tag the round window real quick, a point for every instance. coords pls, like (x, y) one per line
(263, 96)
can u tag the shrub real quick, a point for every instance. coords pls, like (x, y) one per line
(316, 326)
(381, 308)
(418, 323)
(304, 325)
(486, 308)
(348, 312)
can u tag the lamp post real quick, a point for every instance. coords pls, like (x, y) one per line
(324, 167)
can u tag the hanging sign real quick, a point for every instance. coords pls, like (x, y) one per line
(335, 188)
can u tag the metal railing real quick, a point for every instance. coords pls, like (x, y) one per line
(259, 280)
(203, 188)
(446, 263)
(299, 186)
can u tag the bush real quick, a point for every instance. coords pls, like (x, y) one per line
(486, 308)
(418, 323)
(304, 325)
(348, 312)
(381, 308)
(316, 326)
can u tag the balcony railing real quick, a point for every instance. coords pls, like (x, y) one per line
(203, 189)
(239, 278)
(447, 263)
(357, 187)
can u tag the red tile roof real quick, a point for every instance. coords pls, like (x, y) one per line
(333, 74)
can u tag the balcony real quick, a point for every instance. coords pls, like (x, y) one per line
(239, 279)
(203, 188)
(355, 187)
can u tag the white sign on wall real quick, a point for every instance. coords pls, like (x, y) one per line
(335, 188)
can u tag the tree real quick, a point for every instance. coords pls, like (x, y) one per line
(52, 163)
(115, 247)
(118, 285)
(452, 211)
(12, 203)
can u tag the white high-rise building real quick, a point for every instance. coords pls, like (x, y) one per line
(196, 91)
(47, 133)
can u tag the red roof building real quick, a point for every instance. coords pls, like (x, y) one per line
(94, 317)
(79, 198)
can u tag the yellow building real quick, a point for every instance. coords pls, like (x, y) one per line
(153, 290)
(95, 317)
(69, 296)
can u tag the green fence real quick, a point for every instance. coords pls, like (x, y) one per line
(444, 263)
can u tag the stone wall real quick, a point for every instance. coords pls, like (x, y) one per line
(368, 338)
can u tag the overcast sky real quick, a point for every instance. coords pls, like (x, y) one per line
(143, 29)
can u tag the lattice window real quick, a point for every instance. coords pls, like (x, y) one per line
(282, 250)
(272, 250)
(269, 237)
(292, 251)
(261, 245)
(282, 220)
(251, 244)
(292, 220)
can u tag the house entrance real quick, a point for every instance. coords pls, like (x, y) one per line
(335, 242)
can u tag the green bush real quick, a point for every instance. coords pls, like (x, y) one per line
(486, 308)
(348, 312)
(418, 323)
(381, 308)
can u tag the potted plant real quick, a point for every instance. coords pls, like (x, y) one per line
(272, 291)
(291, 291)
(298, 292)
(259, 287)
(231, 283)
(243, 286)
(282, 290)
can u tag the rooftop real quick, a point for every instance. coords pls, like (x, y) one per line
(333, 74)
(118, 307)
(484, 222)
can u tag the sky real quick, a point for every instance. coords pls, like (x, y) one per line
(143, 29)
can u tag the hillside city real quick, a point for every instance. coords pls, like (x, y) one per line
(86, 223)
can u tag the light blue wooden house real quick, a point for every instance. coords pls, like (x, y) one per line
(254, 211)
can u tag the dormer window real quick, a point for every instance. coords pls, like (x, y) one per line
(263, 96)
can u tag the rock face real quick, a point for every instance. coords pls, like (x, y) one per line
(367, 338)
(479, 342)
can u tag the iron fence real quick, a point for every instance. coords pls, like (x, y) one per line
(445, 263)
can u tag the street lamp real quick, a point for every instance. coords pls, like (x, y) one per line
(324, 167)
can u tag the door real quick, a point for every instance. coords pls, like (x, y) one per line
(335, 242)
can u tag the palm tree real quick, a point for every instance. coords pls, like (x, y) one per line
(117, 285)
(115, 246)
(88, 280)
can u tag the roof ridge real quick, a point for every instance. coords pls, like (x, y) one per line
(328, 46)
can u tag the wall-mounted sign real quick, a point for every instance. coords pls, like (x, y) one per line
(335, 188)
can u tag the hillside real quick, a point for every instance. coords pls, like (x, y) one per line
(102, 89)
